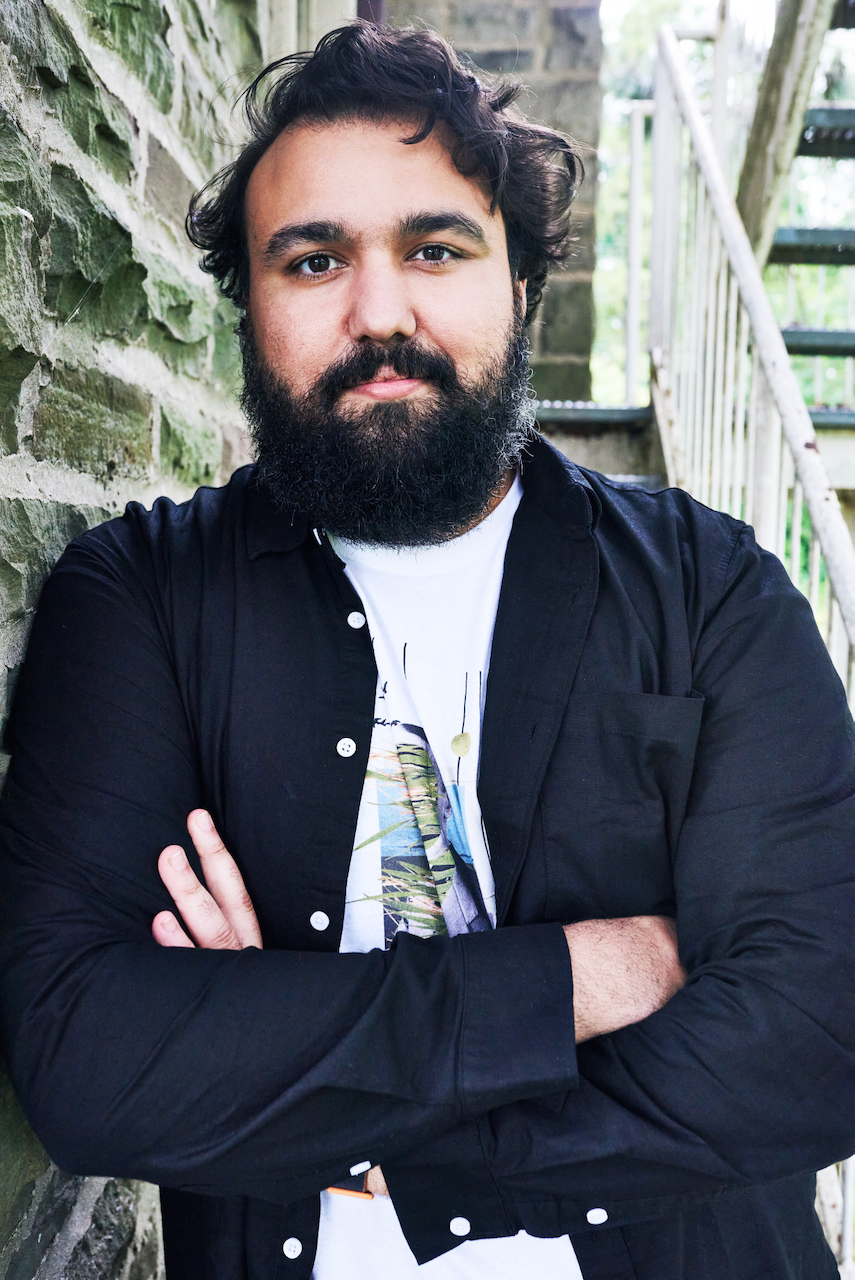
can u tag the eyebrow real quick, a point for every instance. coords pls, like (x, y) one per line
(415, 224)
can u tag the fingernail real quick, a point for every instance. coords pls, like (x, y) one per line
(168, 923)
(178, 859)
(204, 820)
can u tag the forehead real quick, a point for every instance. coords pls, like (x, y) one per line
(361, 174)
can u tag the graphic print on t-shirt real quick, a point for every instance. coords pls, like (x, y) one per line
(428, 883)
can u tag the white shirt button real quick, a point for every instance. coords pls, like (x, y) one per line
(597, 1217)
(319, 920)
(460, 1226)
(292, 1248)
(345, 747)
(356, 619)
(362, 1167)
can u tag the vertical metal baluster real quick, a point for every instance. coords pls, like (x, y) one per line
(690, 411)
(739, 499)
(796, 534)
(697, 402)
(724, 499)
(719, 377)
(813, 573)
(818, 390)
(633, 291)
(751, 436)
(708, 355)
(847, 1262)
(787, 472)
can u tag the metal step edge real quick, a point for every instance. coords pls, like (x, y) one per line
(819, 342)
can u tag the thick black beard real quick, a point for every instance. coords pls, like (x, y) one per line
(396, 474)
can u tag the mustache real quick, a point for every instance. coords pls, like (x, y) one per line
(408, 359)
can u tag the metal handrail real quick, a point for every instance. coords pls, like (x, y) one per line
(734, 425)
(676, 105)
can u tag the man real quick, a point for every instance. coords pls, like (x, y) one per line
(461, 732)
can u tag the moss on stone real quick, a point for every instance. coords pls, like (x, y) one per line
(183, 307)
(33, 535)
(22, 1160)
(91, 421)
(137, 29)
(190, 448)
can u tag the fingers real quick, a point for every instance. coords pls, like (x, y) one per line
(199, 911)
(168, 932)
(224, 879)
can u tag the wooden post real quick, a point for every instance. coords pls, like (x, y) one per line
(784, 90)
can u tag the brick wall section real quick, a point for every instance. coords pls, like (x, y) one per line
(118, 372)
(556, 49)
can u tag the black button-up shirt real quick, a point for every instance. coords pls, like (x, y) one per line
(663, 733)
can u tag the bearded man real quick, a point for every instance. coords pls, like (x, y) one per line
(469, 740)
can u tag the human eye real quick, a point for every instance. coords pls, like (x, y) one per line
(435, 253)
(317, 265)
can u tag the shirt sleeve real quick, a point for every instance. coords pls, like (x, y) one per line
(748, 1074)
(265, 1073)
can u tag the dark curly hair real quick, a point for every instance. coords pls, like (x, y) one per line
(363, 71)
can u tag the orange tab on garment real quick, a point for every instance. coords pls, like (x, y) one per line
(358, 1195)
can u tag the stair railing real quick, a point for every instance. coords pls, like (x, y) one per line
(735, 429)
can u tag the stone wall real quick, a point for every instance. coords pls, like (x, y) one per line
(118, 372)
(556, 49)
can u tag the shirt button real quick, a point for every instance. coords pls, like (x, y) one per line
(597, 1217)
(319, 920)
(460, 1226)
(345, 747)
(362, 1167)
(292, 1248)
(356, 620)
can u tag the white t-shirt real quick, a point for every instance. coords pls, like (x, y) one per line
(430, 612)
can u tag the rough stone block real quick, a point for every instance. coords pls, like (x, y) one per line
(583, 256)
(96, 120)
(21, 294)
(24, 175)
(511, 61)
(136, 29)
(568, 318)
(573, 106)
(577, 41)
(93, 422)
(182, 307)
(570, 381)
(198, 124)
(167, 188)
(33, 535)
(22, 1161)
(226, 364)
(190, 448)
(487, 24)
(237, 23)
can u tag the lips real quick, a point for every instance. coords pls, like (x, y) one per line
(387, 385)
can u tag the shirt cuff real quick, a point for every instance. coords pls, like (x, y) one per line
(518, 1038)
(445, 1194)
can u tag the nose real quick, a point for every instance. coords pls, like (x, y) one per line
(381, 308)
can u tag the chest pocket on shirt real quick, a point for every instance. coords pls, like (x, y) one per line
(613, 801)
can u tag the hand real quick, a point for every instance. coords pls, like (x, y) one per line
(623, 970)
(220, 916)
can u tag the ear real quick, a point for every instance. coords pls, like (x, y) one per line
(520, 294)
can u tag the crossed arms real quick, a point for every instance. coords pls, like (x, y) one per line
(269, 1072)
(623, 970)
